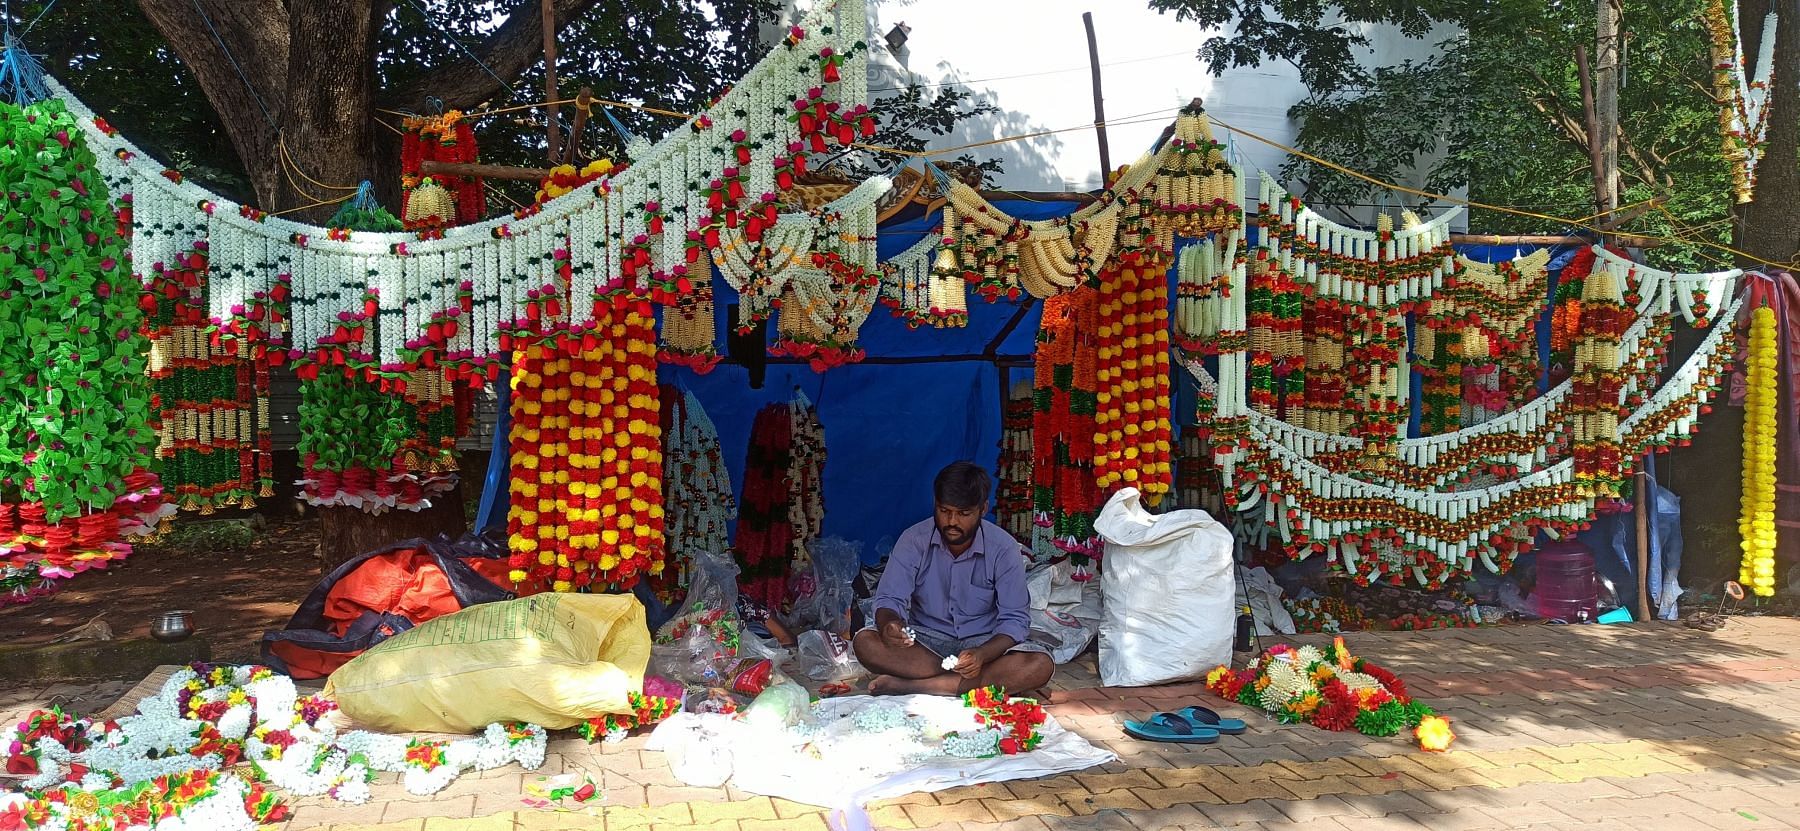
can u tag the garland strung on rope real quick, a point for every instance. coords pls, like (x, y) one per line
(1065, 494)
(1756, 518)
(74, 483)
(439, 200)
(1012, 502)
(697, 488)
(783, 501)
(634, 229)
(586, 483)
(1375, 530)
(214, 445)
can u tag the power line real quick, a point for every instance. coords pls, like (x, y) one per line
(459, 44)
(1034, 74)
(234, 65)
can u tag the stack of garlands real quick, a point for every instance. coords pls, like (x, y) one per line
(1017, 719)
(1326, 410)
(439, 200)
(1133, 442)
(1333, 691)
(1065, 497)
(77, 403)
(587, 465)
(215, 447)
(375, 450)
(1756, 521)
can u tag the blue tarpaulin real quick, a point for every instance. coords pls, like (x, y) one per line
(891, 424)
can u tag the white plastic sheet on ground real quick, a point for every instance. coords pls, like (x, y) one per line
(1167, 589)
(774, 763)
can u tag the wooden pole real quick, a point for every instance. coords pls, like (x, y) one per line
(549, 7)
(485, 171)
(1106, 168)
(583, 101)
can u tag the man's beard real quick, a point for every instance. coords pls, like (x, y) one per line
(952, 534)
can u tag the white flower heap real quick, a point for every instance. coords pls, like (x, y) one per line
(162, 767)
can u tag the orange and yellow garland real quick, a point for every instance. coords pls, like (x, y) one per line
(586, 487)
(1756, 522)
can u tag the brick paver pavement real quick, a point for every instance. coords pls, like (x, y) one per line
(1558, 727)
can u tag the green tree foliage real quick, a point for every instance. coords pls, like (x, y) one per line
(1497, 109)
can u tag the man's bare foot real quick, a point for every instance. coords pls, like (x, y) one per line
(948, 683)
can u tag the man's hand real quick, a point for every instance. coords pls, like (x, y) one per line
(969, 663)
(893, 633)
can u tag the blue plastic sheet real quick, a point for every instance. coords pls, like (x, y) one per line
(1613, 539)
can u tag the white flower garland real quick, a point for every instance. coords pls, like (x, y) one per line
(159, 741)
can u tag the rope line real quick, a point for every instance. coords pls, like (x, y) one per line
(234, 64)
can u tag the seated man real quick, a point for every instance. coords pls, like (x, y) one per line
(954, 587)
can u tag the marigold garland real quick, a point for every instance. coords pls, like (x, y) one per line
(586, 483)
(1756, 519)
(1133, 441)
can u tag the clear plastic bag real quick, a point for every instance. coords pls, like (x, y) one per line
(824, 595)
(780, 706)
(827, 658)
(702, 639)
(697, 756)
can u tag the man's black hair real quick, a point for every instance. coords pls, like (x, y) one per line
(962, 485)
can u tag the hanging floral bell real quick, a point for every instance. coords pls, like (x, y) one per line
(430, 206)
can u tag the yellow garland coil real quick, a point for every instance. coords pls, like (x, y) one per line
(1756, 524)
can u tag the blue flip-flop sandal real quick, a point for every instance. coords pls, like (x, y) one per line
(1203, 718)
(1168, 727)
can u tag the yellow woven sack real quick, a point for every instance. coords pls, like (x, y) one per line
(554, 660)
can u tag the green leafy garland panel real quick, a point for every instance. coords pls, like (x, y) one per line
(75, 434)
(370, 443)
(214, 445)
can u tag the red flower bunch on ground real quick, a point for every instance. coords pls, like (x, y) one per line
(1017, 718)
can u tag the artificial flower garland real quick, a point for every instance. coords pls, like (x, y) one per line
(214, 445)
(717, 174)
(697, 494)
(586, 481)
(783, 505)
(1756, 518)
(1332, 691)
(1133, 440)
(438, 200)
(73, 480)
(1065, 494)
(1012, 501)
(170, 759)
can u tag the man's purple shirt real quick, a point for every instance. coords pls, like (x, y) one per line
(982, 593)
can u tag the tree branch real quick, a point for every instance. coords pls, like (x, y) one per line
(513, 48)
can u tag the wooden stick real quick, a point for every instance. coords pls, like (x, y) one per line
(549, 7)
(485, 171)
(1087, 20)
(1643, 545)
(582, 102)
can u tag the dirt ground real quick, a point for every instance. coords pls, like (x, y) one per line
(240, 580)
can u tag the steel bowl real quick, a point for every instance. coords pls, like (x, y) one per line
(172, 626)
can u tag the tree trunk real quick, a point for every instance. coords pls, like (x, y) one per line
(347, 532)
(326, 145)
(1769, 226)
